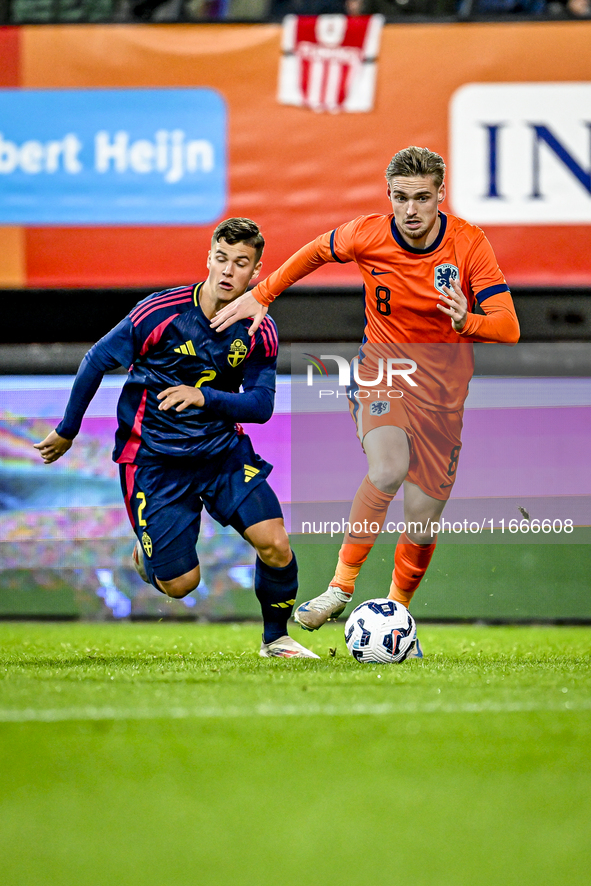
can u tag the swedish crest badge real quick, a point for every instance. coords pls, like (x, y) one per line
(237, 352)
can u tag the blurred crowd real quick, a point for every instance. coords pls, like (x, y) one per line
(38, 11)
(275, 10)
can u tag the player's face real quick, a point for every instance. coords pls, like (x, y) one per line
(231, 268)
(415, 201)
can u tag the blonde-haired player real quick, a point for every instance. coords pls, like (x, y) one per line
(424, 271)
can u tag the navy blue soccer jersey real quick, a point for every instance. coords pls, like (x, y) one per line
(165, 341)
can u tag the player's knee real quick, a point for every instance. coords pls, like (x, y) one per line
(387, 477)
(422, 536)
(275, 549)
(181, 586)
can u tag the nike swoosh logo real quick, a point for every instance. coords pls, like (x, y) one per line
(445, 485)
(375, 273)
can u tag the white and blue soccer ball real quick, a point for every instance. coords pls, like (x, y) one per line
(381, 631)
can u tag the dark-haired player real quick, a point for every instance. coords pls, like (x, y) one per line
(424, 271)
(178, 444)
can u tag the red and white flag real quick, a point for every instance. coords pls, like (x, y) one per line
(329, 62)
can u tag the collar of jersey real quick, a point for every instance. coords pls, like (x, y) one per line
(434, 245)
(196, 290)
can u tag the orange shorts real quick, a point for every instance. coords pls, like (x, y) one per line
(434, 438)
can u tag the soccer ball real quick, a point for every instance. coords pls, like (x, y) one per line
(380, 631)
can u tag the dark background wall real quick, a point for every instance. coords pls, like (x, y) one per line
(302, 314)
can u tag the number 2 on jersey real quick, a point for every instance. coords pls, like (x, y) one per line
(206, 376)
(142, 499)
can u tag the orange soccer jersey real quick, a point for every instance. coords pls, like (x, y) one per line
(402, 285)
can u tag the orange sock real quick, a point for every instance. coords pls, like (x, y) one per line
(345, 576)
(366, 519)
(410, 564)
(399, 595)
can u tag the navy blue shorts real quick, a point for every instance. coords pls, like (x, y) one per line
(164, 503)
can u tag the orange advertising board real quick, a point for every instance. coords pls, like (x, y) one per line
(299, 173)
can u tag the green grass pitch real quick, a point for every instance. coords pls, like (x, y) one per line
(172, 755)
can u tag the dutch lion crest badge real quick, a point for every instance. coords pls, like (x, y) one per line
(444, 274)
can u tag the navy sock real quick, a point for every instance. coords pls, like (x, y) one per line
(276, 591)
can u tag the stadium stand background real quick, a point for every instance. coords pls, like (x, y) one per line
(69, 11)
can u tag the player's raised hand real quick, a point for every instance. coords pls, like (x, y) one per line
(181, 397)
(455, 304)
(244, 307)
(53, 447)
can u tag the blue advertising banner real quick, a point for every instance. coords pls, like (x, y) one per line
(112, 156)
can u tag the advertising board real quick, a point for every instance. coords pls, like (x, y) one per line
(506, 104)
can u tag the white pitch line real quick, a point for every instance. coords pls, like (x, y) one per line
(232, 712)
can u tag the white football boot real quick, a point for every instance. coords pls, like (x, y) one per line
(416, 651)
(329, 605)
(285, 647)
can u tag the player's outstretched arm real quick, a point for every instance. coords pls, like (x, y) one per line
(243, 308)
(88, 378)
(53, 447)
(255, 303)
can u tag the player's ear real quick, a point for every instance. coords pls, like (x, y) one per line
(209, 260)
(441, 193)
(257, 270)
